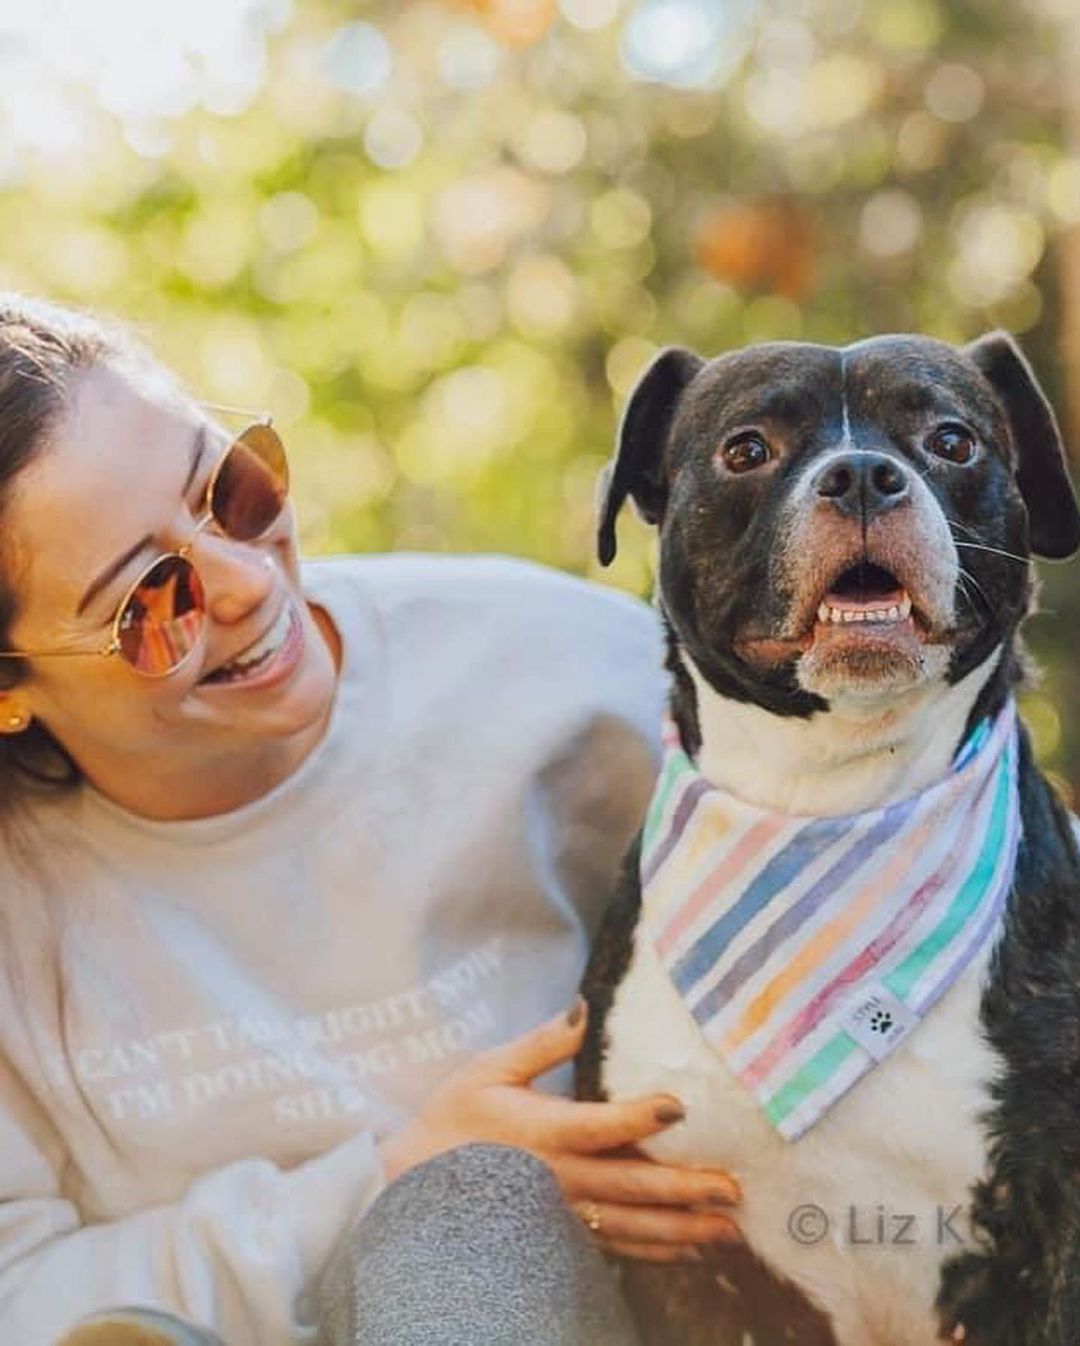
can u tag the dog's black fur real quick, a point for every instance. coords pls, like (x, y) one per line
(722, 598)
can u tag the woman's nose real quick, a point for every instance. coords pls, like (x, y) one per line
(237, 576)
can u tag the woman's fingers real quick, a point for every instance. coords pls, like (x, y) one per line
(566, 1125)
(613, 1223)
(642, 1182)
(560, 1123)
(541, 1049)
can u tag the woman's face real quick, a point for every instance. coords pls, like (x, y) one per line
(126, 478)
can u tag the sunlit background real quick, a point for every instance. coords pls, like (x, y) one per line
(440, 240)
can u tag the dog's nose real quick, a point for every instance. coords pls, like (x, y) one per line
(863, 483)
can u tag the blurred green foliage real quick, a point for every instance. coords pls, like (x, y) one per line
(440, 241)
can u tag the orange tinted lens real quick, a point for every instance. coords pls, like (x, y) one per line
(251, 484)
(163, 618)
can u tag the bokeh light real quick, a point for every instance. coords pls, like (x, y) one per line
(441, 239)
(686, 43)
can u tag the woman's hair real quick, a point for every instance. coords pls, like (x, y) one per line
(44, 350)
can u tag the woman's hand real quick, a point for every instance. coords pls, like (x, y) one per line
(634, 1205)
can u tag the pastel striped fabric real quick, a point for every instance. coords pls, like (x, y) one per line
(772, 925)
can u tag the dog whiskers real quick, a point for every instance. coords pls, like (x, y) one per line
(966, 592)
(964, 528)
(967, 578)
(979, 546)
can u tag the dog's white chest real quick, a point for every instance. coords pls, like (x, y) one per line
(861, 1210)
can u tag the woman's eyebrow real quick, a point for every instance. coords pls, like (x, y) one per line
(198, 450)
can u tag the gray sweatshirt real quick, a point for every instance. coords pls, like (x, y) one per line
(206, 1026)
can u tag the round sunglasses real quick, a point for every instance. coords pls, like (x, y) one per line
(163, 614)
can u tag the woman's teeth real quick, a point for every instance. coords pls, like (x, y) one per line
(850, 611)
(258, 655)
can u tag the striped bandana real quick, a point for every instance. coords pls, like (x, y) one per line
(807, 948)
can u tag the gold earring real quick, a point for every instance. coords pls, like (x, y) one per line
(16, 722)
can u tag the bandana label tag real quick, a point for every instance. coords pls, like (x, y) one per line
(877, 1020)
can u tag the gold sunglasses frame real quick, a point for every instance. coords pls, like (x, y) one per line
(113, 645)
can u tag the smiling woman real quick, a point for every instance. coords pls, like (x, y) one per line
(182, 722)
(188, 614)
(295, 857)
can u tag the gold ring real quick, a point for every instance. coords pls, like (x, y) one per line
(590, 1213)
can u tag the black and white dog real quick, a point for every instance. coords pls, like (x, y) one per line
(844, 538)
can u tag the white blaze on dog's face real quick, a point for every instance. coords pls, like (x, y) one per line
(844, 534)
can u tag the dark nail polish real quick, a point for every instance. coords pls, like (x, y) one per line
(729, 1196)
(577, 1012)
(670, 1113)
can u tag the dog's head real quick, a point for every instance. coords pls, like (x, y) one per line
(843, 524)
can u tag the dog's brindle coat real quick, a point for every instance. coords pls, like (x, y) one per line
(749, 545)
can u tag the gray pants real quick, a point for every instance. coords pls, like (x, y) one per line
(474, 1248)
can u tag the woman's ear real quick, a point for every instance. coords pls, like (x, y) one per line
(637, 469)
(1041, 471)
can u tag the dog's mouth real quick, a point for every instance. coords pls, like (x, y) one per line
(866, 606)
(859, 609)
(867, 594)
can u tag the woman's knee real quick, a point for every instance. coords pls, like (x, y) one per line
(474, 1246)
(477, 1177)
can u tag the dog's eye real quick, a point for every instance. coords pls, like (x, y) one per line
(953, 443)
(744, 453)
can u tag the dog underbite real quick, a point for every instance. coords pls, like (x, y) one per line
(864, 550)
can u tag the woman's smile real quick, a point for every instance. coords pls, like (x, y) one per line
(267, 661)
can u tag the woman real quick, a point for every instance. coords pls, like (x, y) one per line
(295, 859)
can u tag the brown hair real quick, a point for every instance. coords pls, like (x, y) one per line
(44, 350)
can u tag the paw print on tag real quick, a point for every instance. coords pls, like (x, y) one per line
(877, 1020)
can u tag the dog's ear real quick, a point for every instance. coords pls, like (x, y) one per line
(1041, 474)
(637, 468)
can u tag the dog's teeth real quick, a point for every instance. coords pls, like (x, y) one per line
(896, 612)
(841, 615)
